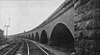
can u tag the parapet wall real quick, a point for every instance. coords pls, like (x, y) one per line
(87, 27)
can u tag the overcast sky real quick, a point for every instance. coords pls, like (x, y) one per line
(26, 14)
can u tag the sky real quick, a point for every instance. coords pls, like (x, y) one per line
(25, 14)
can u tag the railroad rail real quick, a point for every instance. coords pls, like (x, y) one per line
(11, 49)
(24, 47)
(6, 42)
(30, 48)
(34, 49)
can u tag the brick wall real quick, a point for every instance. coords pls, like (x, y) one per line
(87, 27)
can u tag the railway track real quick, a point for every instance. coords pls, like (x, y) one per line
(24, 47)
(35, 50)
(6, 42)
(11, 49)
(29, 48)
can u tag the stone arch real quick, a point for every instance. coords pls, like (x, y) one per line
(26, 36)
(37, 37)
(23, 36)
(32, 36)
(61, 36)
(29, 36)
(43, 38)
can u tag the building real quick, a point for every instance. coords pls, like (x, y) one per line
(1, 34)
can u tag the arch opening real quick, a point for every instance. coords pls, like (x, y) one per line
(26, 36)
(37, 37)
(43, 38)
(29, 36)
(32, 36)
(62, 37)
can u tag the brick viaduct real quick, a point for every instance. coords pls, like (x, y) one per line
(75, 24)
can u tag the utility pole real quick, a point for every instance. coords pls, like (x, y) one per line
(7, 27)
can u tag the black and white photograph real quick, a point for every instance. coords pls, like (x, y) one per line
(49, 27)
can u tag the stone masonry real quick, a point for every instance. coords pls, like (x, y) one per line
(87, 27)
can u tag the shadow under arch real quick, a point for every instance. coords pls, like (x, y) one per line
(43, 38)
(32, 37)
(26, 36)
(29, 36)
(61, 37)
(37, 37)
